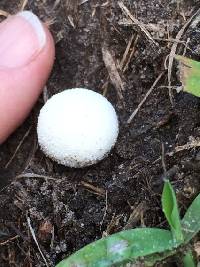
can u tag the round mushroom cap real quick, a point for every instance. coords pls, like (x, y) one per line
(77, 127)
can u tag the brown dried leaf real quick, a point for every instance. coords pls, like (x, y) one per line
(45, 230)
(113, 72)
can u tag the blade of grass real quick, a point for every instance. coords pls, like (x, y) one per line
(170, 209)
(191, 220)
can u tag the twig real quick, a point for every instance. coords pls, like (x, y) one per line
(56, 3)
(145, 98)
(126, 52)
(127, 56)
(105, 212)
(186, 46)
(36, 242)
(31, 154)
(170, 40)
(193, 143)
(34, 175)
(18, 147)
(9, 240)
(163, 159)
(83, 2)
(124, 63)
(135, 21)
(25, 2)
(52, 237)
(94, 189)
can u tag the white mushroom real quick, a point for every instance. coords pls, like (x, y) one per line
(77, 127)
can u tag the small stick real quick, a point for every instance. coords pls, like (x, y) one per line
(135, 21)
(105, 212)
(34, 175)
(56, 3)
(96, 190)
(18, 147)
(35, 239)
(163, 159)
(83, 2)
(9, 240)
(124, 58)
(145, 98)
(25, 2)
(131, 54)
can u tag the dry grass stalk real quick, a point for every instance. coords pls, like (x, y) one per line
(36, 242)
(145, 98)
(18, 147)
(24, 4)
(135, 21)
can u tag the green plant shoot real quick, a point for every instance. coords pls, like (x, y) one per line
(170, 209)
(148, 245)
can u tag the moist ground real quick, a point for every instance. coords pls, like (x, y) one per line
(69, 208)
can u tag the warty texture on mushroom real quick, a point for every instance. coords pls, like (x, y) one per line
(77, 127)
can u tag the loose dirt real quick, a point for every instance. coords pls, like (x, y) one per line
(69, 208)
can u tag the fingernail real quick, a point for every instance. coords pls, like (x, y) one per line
(22, 37)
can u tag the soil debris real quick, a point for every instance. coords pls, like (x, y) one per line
(68, 208)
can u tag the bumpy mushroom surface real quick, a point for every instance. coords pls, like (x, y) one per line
(77, 127)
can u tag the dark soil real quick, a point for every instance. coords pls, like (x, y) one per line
(69, 208)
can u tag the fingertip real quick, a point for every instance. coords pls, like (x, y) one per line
(24, 68)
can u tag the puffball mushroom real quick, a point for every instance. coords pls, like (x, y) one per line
(77, 127)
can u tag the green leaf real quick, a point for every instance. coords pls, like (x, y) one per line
(170, 209)
(188, 260)
(121, 248)
(191, 220)
(190, 75)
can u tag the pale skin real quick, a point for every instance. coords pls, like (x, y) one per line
(26, 58)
